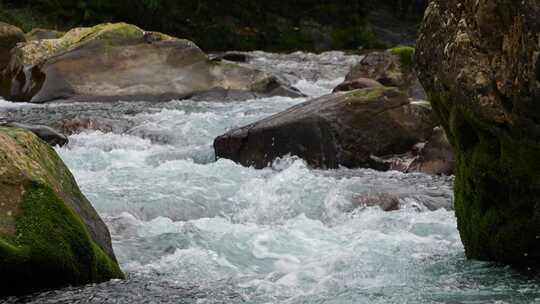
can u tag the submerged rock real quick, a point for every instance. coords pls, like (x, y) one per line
(481, 69)
(391, 68)
(9, 37)
(343, 129)
(48, 134)
(385, 201)
(112, 62)
(105, 125)
(50, 235)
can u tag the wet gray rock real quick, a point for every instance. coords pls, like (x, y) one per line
(121, 62)
(47, 134)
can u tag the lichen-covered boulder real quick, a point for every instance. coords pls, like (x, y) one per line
(479, 62)
(50, 235)
(111, 62)
(391, 68)
(39, 34)
(350, 129)
(9, 37)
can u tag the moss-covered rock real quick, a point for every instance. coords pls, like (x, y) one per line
(481, 70)
(405, 54)
(392, 67)
(50, 236)
(119, 61)
(352, 129)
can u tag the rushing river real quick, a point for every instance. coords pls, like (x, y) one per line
(189, 229)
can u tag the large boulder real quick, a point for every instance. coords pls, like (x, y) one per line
(479, 61)
(9, 37)
(111, 62)
(344, 129)
(391, 68)
(50, 235)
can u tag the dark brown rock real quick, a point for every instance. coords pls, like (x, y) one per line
(231, 56)
(435, 157)
(355, 84)
(390, 68)
(344, 129)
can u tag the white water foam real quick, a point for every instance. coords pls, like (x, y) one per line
(189, 229)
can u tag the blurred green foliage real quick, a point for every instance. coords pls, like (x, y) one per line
(217, 25)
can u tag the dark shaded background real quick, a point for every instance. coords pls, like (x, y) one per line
(314, 25)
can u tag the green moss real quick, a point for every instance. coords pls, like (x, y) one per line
(107, 33)
(26, 19)
(372, 93)
(497, 188)
(6, 17)
(52, 247)
(405, 54)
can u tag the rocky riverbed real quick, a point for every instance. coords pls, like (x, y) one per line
(189, 229)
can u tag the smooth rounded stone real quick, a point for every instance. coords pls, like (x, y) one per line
(391, 68)
(50, 235)
(435, 156)
(9, 37)
(39, 34)
(121, 62)
(358, 83)
(342, 129)
(480, 69)
(48, 134)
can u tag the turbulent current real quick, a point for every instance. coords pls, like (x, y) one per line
(189, 229)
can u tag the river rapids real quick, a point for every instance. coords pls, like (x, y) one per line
(189, 229)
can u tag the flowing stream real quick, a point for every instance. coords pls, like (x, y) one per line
(189, 229)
